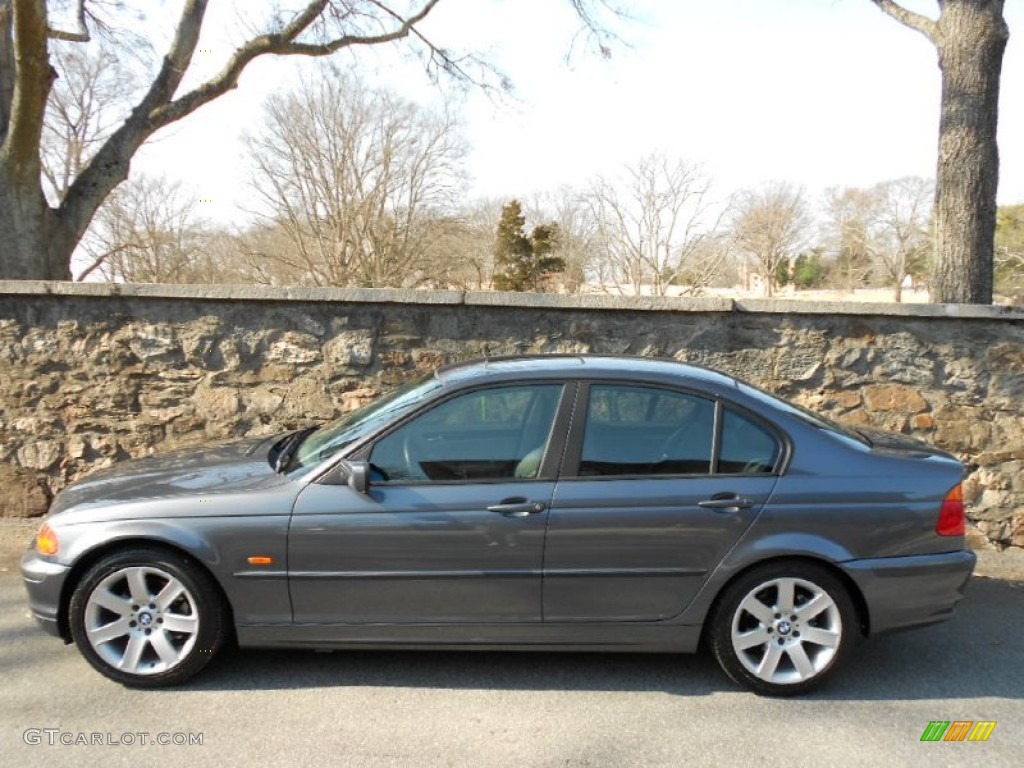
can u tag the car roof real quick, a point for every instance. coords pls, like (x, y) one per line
(581, 366)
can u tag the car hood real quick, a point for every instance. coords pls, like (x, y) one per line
(227, 467)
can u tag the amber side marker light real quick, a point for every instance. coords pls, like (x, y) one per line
(951, 515)
(46, 541)
(261, 560)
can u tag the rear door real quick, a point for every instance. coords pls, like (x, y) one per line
(658, 485)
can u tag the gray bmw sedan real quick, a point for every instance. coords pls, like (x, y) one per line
(532, 503)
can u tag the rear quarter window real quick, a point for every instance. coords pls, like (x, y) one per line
(747, 447)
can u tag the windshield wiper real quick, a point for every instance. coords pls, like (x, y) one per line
(290, 446)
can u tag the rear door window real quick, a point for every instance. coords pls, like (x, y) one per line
(637, 431)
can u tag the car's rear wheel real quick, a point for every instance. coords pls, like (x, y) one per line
(782, 629)
(147, 618)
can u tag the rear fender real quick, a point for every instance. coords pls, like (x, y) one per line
(750, 551)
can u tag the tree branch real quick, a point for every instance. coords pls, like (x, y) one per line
(109, 167)
(178, 57)
(81, 36)
(159, 108)
(915, 21)
(282, 44)
(32, 80)
(6, 67)
(99, 261)
(303, 19)
(448, 64)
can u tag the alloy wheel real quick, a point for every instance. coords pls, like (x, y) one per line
(786, 630)
(141, 620)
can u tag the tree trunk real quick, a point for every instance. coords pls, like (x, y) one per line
(33, 244)
(971, 37)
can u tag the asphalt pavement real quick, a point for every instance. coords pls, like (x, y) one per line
(421, 709)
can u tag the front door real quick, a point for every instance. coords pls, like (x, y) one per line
(452, 528)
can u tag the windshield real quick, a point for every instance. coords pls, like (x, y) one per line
(336, 435)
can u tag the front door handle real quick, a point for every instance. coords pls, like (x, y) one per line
(517, 507)
(726, 502)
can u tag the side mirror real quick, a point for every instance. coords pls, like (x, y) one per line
(358, 475)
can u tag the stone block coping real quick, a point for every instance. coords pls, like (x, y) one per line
(701, 304)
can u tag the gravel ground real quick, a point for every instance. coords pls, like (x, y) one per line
(15, 536)
(1007, 565)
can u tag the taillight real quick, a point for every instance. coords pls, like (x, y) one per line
(951, 515)
(46, 541)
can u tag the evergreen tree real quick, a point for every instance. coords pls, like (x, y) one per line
(782, 274)
(808, 270)
(523, 263)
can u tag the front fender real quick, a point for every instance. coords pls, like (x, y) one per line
(113, 536)
(222, 545)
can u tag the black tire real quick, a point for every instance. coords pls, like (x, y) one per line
(779, 652)
(163, 639)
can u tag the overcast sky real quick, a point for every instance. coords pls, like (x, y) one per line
(816, 92)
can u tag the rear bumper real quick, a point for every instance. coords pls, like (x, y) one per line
(44, 581)
(906, 592)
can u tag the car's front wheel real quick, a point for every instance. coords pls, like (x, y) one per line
(147, 618)
(783, 628)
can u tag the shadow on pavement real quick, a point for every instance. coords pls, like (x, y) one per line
(978, 654)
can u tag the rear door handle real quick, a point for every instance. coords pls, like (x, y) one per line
(726, 502)
(517, 507)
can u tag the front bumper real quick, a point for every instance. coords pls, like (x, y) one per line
(44, 581)
(906, 592)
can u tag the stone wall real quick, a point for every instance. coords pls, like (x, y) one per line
(97, 373)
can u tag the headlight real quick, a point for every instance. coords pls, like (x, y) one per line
(46, 541)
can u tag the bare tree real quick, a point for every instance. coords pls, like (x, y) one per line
(252, 255)
(36, 238)
(261, 250)
(881, 232)
(148, 232)
(82, 112)
(850, 218)
(709, 264)
(460, 254)
(354, 176)
(226, 257)
(649, 222)
(769, 226)
(577, 244)
(970, 37)
(903, 237)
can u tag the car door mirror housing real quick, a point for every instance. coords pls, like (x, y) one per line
(358, 473)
